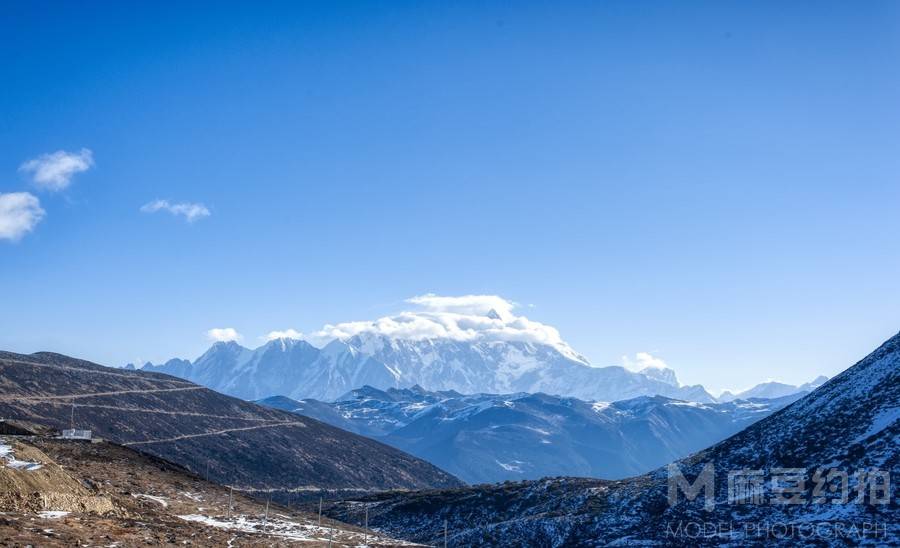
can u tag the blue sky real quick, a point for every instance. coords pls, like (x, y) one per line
(715, 183)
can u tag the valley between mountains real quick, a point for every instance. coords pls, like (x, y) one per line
(500, 469)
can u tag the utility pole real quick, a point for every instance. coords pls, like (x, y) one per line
(320, 511)
(445, 533)
(266, 517)
(72, 417)
(230, 499)
(366, 528)
(330, 533)
(207, 469)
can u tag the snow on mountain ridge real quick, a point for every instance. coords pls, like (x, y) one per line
(470, 344)
(772, 389)
(297, 369)
(546, 435)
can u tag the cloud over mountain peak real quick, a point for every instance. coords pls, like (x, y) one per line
(460, 318)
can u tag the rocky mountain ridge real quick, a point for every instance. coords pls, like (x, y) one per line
(484, 438)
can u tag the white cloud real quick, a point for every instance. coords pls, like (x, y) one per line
(464, 318)
(286, 334)
(54, 171)
(20, 212)
(191, 212)
(223, 334)
(643, 360)
(465, 304)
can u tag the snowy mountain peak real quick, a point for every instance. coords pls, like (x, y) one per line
(337, 347)
(230, 347)
(772, 389)
(469, 344)
(663, 374)
(284, 343)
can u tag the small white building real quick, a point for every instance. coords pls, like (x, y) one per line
(76, 434)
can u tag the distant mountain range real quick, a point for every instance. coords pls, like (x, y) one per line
(299, 370)
(296, 369)
(234, 442)
(850, 423)
(773, 389)
(488, 438)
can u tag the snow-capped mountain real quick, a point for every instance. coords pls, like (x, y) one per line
(283, 366)
(470, 344)
(494, 366)
(849, 427)
(489, 437)
(297, 369)
(773, 389)
(663, 374)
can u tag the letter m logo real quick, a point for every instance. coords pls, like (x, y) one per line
(705, 481)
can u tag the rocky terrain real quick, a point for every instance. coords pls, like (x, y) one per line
(230, 441)
(484, 438)
(848, 425)
(101, 494)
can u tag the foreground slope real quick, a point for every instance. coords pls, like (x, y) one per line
(485, 438)
(849, 424)
(233, 441)
(82, 494)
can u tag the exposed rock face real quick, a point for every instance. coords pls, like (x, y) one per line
(31, 482)
(103, 494)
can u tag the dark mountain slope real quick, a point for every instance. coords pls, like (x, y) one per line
(850, 423)
(241, 443)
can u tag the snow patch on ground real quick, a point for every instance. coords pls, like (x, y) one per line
(513, 466)
(6, 453)
(53, 514)
(599, 406)
(880, 421)
(687, 404)
(285, 529)
(158, 500)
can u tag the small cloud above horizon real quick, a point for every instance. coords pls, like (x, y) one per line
(190, 211)
(286, 334)
(643, 360)
(223, 334)
(466, 304)
(20, 212)
(54, 171)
